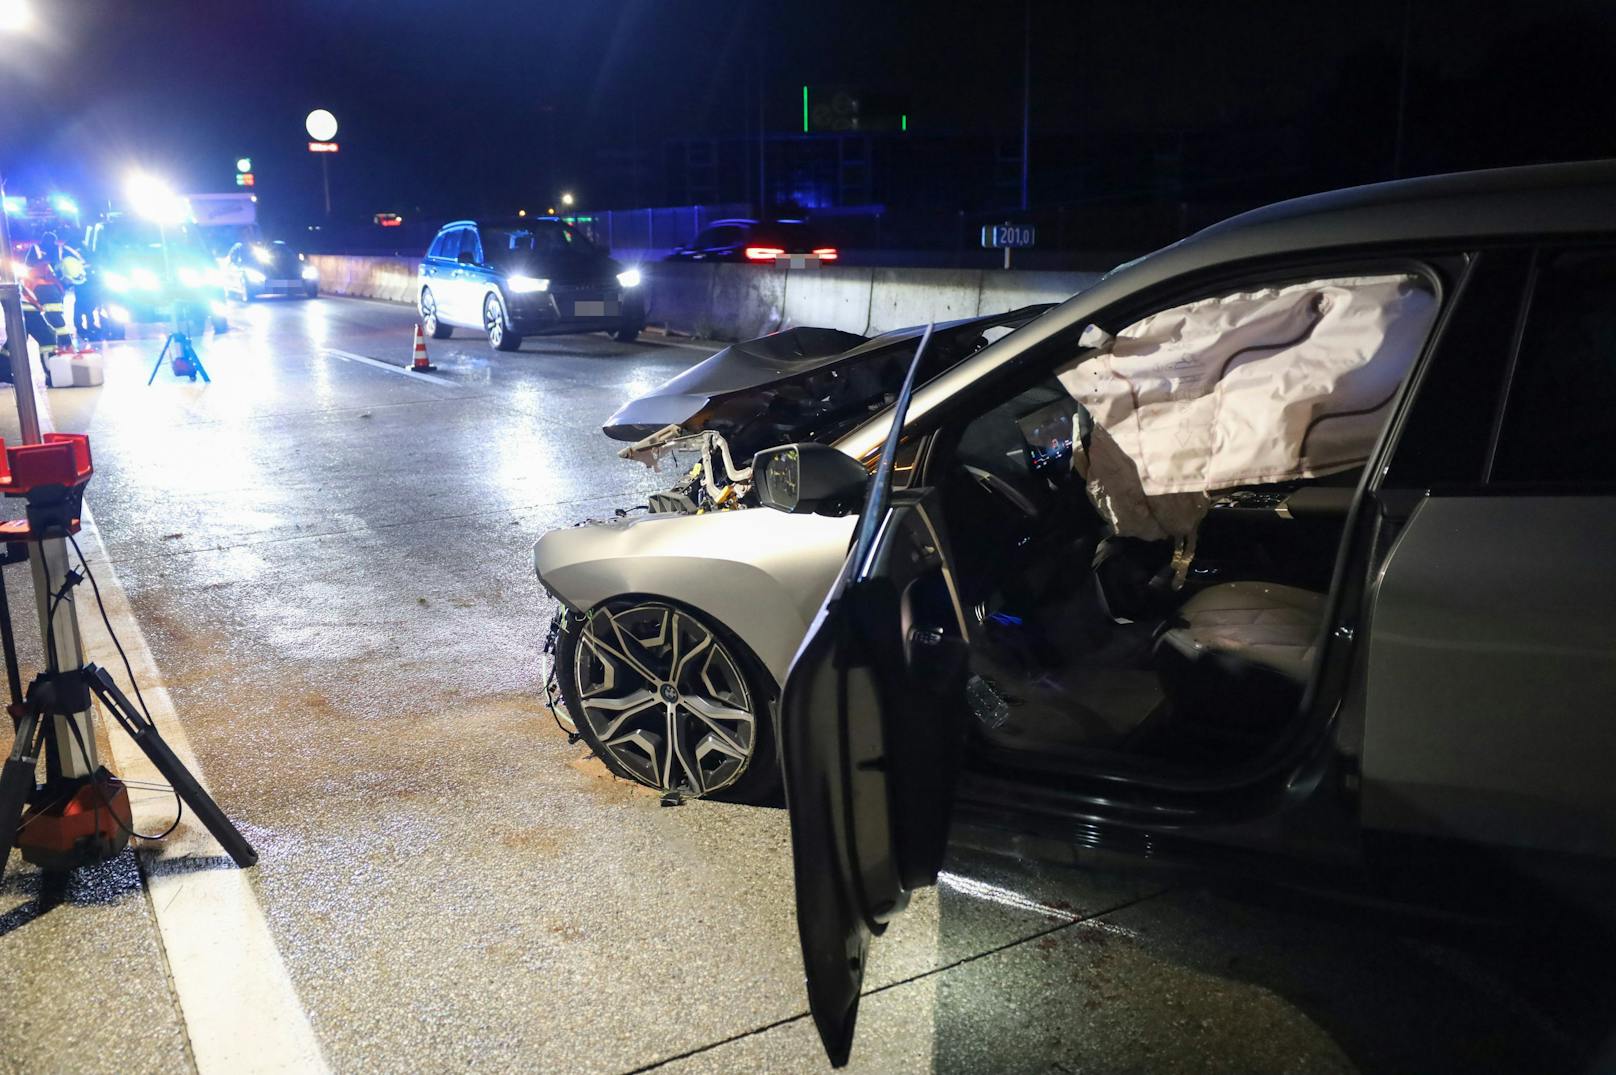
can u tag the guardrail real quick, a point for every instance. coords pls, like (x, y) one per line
(737, 302)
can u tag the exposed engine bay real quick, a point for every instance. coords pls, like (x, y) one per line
(801, 384)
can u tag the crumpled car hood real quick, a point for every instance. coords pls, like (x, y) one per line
(738, 368)
(801, 383)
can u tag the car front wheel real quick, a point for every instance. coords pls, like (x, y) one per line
(499, 333)
(669, 699)
(429, 317)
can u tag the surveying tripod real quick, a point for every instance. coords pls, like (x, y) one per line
(80, 814)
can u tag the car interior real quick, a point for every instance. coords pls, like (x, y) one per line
(1144, 540)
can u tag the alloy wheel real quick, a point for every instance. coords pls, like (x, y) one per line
(666, 696)
(429, 313)
(493, 321)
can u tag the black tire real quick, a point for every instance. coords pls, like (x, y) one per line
(626, 333)
(312, 291)
(499, 332)
(429, 317)
(221, 325)
(758, 782)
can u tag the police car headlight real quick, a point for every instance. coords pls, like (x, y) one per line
(629, 278)
(522, 285)
(191, 277)
(143, 280)
(254, 276)
(310, 272)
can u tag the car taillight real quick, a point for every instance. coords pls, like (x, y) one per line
(763, 253)
(826, 253)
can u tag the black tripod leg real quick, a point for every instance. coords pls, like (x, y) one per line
(191, 357)
(8, 643)
(17, 783)
(160, 356)
(174, 771)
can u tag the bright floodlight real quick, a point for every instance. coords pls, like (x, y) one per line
(152, 198)
(321, 125)
(15, 16)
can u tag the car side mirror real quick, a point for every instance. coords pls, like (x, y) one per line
(800, 479)
(466, 257)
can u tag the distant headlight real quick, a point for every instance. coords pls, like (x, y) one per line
(116, 282)
(118, 313)
(254, 276)
(311, 273)
(522, 285)
(263, 255)
(143, 280)
(191, 277)
(629, 278)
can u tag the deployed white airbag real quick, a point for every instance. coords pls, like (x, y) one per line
(1249, 388)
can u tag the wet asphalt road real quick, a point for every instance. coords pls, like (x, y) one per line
(331, 564)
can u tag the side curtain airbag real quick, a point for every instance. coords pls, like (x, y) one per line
(1249, 388)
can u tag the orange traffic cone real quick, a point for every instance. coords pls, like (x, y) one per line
(421, 365)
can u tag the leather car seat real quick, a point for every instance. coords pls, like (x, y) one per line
(1240, 653)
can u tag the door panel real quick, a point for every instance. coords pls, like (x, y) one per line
(872, 722)
(1492, 669)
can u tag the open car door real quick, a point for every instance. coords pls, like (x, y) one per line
(872, 721)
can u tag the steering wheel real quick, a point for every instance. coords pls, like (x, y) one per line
(1004, 490)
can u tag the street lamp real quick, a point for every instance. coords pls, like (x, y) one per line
(154, 199)
(566, 199)
(15, 16)
(322, 127)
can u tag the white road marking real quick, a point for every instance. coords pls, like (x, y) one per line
(240, 1009)
(389, 367)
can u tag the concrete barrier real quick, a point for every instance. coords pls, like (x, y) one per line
(740, 302)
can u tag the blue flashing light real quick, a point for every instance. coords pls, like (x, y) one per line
(16, 205)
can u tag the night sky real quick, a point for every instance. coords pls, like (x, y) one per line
(503, 102)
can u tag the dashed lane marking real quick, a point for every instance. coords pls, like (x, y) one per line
(390, 367)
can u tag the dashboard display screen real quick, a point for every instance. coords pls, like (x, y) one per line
(1048, 433)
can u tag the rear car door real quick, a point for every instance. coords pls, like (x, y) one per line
(1492, 648)
(872, 722)
(438, 267)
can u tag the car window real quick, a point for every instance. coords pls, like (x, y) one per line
(504, 244)
(470, 245)
(1558, 418)
(728, 235)
(704, 238)
(444, 243)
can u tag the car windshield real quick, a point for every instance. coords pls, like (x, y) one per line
(138, 236)
(508, 244)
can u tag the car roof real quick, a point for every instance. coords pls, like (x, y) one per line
(502, 222)
(1544, 200)
(1491, 205)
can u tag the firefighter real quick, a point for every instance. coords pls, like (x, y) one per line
(67, 266)
(42, 308)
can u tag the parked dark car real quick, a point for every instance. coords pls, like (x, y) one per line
(139, 272)
(760, 242)
(254, 269)
(525, 277)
